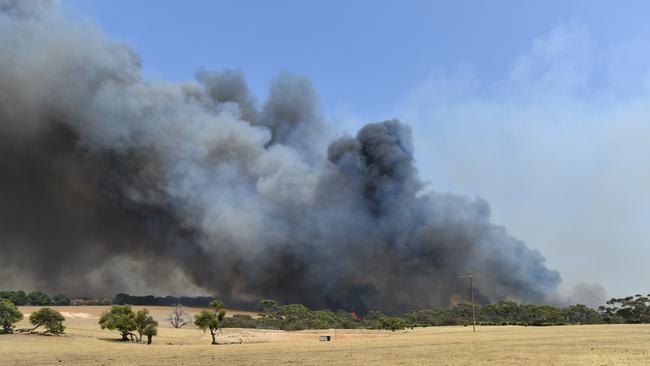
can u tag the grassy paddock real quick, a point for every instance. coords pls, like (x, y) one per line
(86, 344)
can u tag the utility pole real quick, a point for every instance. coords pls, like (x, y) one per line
(471, 287)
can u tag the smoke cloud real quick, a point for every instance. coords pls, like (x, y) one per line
(558, 141)
(114, 183)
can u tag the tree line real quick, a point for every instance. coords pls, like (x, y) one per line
(134, 326)
(272, 315)
(627, 310)
(34, 298)
(150, 300)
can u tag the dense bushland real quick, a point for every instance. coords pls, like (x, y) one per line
(35, 298)
(272, 315)
(632, 309)
(150, 300)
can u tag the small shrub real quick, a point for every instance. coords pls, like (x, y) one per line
(51, 319)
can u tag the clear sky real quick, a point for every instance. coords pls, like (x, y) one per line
(540, 107)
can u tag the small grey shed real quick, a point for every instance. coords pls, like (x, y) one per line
(324, 338)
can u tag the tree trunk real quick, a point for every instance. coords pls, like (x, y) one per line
(125, 336)
(34, 329)
(149, 339)
(214, 339)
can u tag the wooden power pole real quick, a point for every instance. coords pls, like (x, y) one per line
(471, 288)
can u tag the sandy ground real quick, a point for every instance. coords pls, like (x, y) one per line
(86, 344)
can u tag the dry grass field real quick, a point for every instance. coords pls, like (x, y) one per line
(86, 344)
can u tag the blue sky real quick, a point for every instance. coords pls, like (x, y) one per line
(362, 56)
(542, 108)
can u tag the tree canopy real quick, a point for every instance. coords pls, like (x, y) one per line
(60, 299)
(145, 325)
(38, 298)
(19, 298)
(51, 319)
(9, 315)
(209, 320)
(120, 318)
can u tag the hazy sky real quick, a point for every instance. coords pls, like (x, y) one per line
(542, 108)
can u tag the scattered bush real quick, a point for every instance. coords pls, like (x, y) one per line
(150, 330)
(9, 315)
(145, 325)
(120, 318)
(239, 321)
(210, 319)
(272, 315)
(51, 319)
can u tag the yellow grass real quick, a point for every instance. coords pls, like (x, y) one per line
(86, 344)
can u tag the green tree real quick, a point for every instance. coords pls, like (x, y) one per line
(630, 309)
(51, 319)
(268, 309)
(38, 298)
(7, 295)
(211, 319)
(120, 318)
(9, 314)
(581, 314)
(392, 323)
(507, 311)
(145, 325)
(424, 317)
(219, 310)
(150, 330)
(372, 319)
(60, 299)
(20, 298)
(207, 320)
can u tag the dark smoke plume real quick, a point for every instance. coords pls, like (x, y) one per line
(113, 183)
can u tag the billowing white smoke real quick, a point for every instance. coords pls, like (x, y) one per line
(99, 164)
